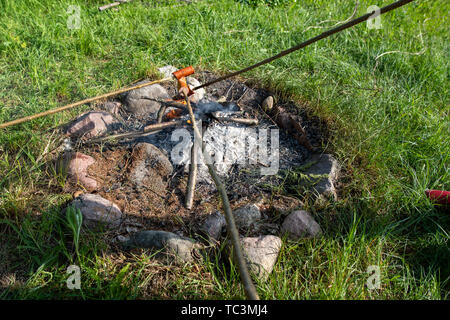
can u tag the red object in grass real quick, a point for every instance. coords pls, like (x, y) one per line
(439, 196)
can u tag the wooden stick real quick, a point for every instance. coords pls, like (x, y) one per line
(192, 179)
(250, 122)
(161, 112)
(114, 4)
(79, 103)
(249, 287)
(148, 129)
(107, 6)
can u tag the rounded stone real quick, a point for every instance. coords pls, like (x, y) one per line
(300, 224)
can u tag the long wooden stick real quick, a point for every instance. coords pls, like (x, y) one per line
(249, 287)
(192, 179)
(251, 122)
(79, 103)
(148, 129)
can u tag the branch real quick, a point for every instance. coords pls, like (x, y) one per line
(249, 287)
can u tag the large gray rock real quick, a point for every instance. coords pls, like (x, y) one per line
(173, 244)
(98, 211)
(214, 225)
(77, 166)
(247, 216)
(323, 174)
(167, 71)
(149, 165)
(299, 224)
(92, 124)
(143, 102)
(261, 254)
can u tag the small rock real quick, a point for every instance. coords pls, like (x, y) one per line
(149, 165)
(144, 101)
(267, 103)
(261, 254)
(299, 224)
(214, 225)
(77, 169)
(98, 211)
(167, 71)
(92, 124)
(323, 174)
(198, 94)
(184, 248)
(247, 215)
(112, 107)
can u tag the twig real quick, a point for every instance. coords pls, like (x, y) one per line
(114, 4)
(161, 112)
(45, 152)
(192, 179)
(249, 287)
(403, 52)
(251, 122)
(240, 98)
(148, 129)
(231, 87)
(338, 23)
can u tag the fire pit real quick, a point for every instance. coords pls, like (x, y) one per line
(253, 142)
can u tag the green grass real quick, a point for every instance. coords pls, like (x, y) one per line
(388, 119)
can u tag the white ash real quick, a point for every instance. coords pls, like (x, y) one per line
(228, 144)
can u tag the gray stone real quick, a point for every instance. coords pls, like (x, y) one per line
(323, 174)
(246, 216)
(182, 247)
(144, 101)
(167, 71)
(299, 224)
(149, 163)
(213, 225)
(92, 124)
(98, 211)
(261, 254)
